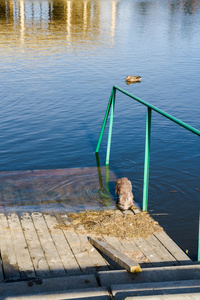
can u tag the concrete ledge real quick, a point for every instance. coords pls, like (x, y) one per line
(195, 296)
(173, 288)
(92, 294)
(52, 285)
(156, 274)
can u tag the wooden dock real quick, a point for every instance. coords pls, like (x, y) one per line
(40, 256)
(33, 246)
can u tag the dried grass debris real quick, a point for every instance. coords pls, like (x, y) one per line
(112, 223)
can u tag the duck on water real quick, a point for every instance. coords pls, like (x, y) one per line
(133, 79)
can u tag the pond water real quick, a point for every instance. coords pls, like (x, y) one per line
(59, 61)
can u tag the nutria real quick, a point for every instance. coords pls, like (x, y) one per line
(123, 190)
(133, 79)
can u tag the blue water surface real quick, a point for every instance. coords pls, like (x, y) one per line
(59, 61)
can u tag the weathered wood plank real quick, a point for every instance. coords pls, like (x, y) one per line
(135, 209)
(148, 251)
(8, 255)
(48, 246)
(80, 252)
(99, 262)
(34, 246)
(132, 251)
(116, 255)
(163, 253)
(114, 242)
(67, 257)
(172, 247)
(22, 254)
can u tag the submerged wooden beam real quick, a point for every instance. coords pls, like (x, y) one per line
(119, 257)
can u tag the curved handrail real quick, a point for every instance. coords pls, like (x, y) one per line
(168, 116)
(150, 107)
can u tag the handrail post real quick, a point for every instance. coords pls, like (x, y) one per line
(110, 126)
(147, 159)
(104, 121)
(199, 241)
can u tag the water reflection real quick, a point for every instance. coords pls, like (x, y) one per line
(40, 22)
(22, 20)
(186, 6)
(105, 192)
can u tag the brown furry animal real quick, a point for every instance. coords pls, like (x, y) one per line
(123, 190)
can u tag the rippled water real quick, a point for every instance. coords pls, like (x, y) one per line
(59, 61)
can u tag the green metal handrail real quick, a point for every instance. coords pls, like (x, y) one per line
(150, 107)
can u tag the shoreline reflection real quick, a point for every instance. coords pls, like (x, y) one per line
(42, 23)
(32, 22)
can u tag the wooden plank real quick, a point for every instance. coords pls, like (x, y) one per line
(116, 255)
(22, 254)
(135, 209)
(132, 251)
(79, 249)
(48, 246)
(99, 262)
(67, 257)
(80, 252)
(163, 253)
(114, 241)
(172, 247)
(9, 261)
(34, 246)
(148, 251)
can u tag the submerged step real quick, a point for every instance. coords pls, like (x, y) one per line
(71, 190)
(130, 291)
(154, 274)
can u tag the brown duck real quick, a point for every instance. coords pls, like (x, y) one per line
(133, 79)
